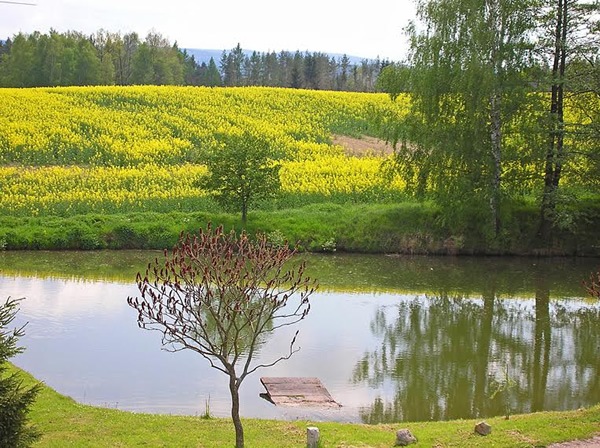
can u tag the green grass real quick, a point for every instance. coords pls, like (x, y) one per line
(65, 423)
(353, 228)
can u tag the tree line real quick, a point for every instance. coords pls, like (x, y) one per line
(72, 58)
(316, 71)
(105, 58)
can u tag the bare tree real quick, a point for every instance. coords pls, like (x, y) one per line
(221, 295)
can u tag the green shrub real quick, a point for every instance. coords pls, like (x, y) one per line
(125, 236)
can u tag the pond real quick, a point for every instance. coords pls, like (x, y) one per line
(392, 338)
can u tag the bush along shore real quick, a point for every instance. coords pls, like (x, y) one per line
(405, 228)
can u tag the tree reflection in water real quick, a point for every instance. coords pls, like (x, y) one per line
(444, 357)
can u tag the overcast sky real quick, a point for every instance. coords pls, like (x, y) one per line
(366, 29)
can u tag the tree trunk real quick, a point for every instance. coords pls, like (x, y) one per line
(554, 154)
(244, 214)
(484, 342)
(496, 24)
(496, 139)
(235, 410)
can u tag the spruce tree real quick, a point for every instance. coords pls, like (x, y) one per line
(15, 398)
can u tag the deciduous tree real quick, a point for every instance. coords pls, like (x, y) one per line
(242, 169)
(467, 61)
(394, 79)
(221, 295)
(571, 45)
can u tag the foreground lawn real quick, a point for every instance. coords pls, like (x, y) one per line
(65, 423)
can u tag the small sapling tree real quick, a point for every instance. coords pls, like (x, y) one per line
(220, 295)
(242, 169)
(15, 399)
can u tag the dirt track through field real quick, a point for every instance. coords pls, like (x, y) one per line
(362, 146)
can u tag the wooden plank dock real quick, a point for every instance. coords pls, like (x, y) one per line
(298, 391)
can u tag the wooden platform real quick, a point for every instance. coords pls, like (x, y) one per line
(297, 391)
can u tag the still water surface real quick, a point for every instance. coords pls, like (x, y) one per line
(391, 338)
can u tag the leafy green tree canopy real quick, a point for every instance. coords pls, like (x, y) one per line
(571, 43)
(242, 169)
(467, 59)
(394, 79)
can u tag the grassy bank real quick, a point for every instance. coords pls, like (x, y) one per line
(65, 423)
(409, 228)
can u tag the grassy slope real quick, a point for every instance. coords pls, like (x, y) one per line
(64, 423)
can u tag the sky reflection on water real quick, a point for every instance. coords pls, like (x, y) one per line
(383, 356)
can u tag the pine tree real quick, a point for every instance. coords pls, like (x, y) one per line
(15, 399)
(212, 75)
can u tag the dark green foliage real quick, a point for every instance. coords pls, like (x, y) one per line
(573, 51)
(104, 58)
(394, 79)
(15, 400)
(125, 236)
(210, 75)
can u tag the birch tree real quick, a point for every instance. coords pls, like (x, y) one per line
(467, 58)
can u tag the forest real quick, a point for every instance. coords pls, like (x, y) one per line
(104, 58)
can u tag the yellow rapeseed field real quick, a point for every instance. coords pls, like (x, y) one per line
(112, 149)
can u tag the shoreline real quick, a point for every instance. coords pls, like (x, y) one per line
(63, 422)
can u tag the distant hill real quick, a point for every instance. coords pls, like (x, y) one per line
(202, 55)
